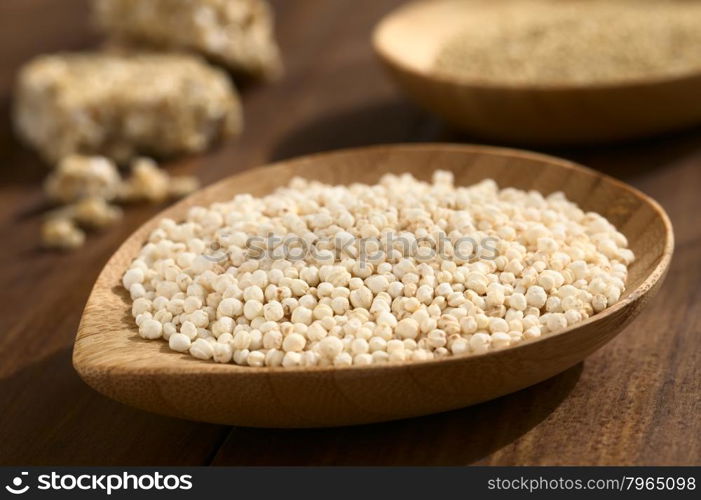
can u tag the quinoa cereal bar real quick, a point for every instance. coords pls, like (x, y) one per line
(235, 33)
(120, 105)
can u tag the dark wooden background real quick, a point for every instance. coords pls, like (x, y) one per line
(636, 401)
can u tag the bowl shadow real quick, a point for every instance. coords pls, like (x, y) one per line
(398, 121)
(380, 122)
(458, 437)
(85, 432)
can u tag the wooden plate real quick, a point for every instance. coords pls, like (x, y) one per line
(112, 358)
(408, 39)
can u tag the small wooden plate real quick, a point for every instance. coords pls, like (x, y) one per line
(408, 40)
(111, 357)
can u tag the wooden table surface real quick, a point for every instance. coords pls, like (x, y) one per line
(636, 401)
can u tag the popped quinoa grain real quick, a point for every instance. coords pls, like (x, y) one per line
(330, 307)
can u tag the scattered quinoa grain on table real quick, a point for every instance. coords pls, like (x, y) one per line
(400, 271)
(61, 233)
(85, 187)
(76, 177)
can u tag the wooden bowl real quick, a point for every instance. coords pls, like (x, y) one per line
(408, 40)
(112, 358)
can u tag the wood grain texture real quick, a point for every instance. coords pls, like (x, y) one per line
(112, 358)
(635, 401)
(408, 40)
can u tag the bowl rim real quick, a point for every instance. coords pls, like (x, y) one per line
(193, 366)
(390, 59)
